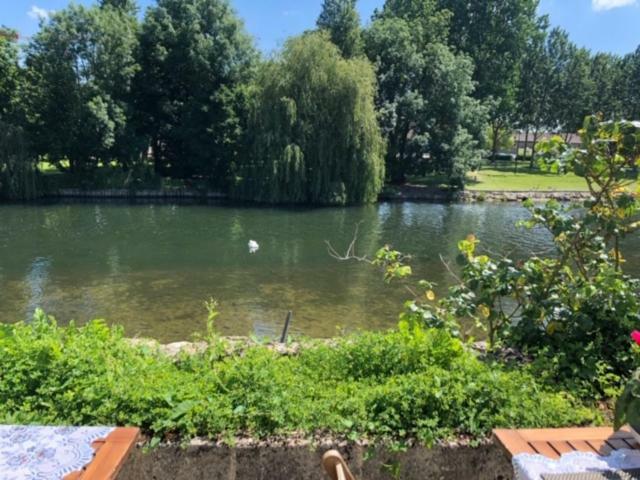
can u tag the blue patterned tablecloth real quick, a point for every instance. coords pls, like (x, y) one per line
(532, 467)
(46, 453)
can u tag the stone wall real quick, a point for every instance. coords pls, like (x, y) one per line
(176, 193)
(248, 460)
(536, 196)
(402, 193)
(430, 194)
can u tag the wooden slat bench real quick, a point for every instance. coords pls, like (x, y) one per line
(111, 453)
(554, 442)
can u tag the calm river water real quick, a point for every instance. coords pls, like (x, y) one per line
(151, 267)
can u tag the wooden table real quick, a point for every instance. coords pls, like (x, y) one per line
(554, 442)
(111, 453)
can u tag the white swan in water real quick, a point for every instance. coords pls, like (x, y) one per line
(253, 246)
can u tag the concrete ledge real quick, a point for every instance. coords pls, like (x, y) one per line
(247, 460)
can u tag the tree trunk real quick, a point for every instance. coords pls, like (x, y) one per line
(495, 127)
(535, 144)
(399, 170)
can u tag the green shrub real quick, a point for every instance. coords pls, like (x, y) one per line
(570, 309)
(397, 386)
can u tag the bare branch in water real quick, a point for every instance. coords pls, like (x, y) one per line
(351, 250)
(450, 270)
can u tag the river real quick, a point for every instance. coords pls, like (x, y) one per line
(151, 267)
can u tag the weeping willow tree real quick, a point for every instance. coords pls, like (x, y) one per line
(17, 170)
(314, 135)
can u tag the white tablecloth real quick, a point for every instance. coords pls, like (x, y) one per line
(532, 467)
(46, 453)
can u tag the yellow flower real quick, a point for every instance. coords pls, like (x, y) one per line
(431, 296)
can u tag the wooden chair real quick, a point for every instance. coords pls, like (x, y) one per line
(336, 467)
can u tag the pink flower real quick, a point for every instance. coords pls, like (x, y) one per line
(636, 336)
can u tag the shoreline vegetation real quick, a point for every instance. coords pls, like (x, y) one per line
(398, 388)
(490, 183)
(109, 96)
(412, 193)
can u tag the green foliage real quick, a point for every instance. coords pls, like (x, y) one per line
(10, 74)
(17, 174)
(341, 19)
(494, 34)
(572, 310)
(608, 77)
(424, 93)
(570, 73)
(128, 6)
(504, 140)
(628, 405)
(80, 66)
(194, 57)
(628, 88)
(411, 384)
(314, 136)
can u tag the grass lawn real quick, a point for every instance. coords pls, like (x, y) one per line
(506, 178)
(501, 178)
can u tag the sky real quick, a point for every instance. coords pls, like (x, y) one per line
(600, 25)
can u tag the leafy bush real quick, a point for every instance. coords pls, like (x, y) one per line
(572, 309)
(396, 386)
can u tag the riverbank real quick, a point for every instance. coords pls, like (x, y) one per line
(395, 388)
(426, 193)
(409, 192)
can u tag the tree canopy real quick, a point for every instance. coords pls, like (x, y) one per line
(80, 66)
(194, 57)
(494, 33)
(428, 115)
(9, 72)
(314, 136)
(17, 178)
(181, 94)
(341, 19)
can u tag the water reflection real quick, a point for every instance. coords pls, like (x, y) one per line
(151, 267)
(36, 280)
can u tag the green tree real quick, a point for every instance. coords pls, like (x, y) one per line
(313, 128)
(424, 95)
(534, 92)
(607, 75)
(128, 6)
(10, 74)
(340, 18)
(17, 174)
(80, 66)
(195, 57)
(494, 33)
(630, 92)
(571, 87)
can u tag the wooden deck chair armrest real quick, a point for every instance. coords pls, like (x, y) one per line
(336, 467)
